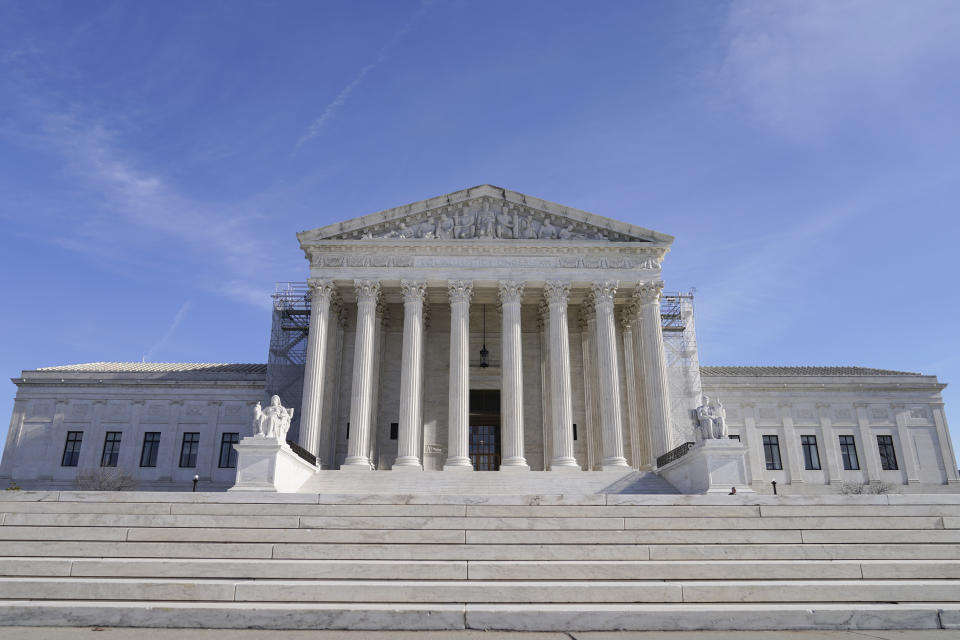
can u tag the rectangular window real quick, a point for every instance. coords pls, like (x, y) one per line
(188, 450)
(394, 428)
(574, 431)
(848, 451)
(888, 457)
(734, 436)
(771, 451)
(71, 449)
(151, 446)
(228, 455)
(811, 457)
(111, 449)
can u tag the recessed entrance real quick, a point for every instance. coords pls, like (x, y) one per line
(485, 429)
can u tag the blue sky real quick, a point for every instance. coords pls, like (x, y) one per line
(157, 158)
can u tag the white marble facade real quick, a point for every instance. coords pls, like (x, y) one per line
(567, 303)
(570, 302)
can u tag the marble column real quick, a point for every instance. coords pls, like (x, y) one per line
(645, 460)
(361, 394)
(946, 444)
(543, 324)
(458, 429)
(630, 372)
(511, 371)
(647, 296)
(828, 450)
(311, 403)
(608, 369)
(591, 394)
(411, 377)
(558, 294)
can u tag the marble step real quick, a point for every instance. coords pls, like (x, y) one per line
(430, 591)
(505, 552)
(513, 570)
(481, 510)
(390, 496)
(443, 617)
(597, 521)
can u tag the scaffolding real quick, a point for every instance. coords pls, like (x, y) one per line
(288, 346)
(683, 363)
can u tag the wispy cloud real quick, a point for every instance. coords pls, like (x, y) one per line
(177, 319)
(805, 68)
(341, 98)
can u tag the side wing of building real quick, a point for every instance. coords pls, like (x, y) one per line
(816, 429)
(161, 423)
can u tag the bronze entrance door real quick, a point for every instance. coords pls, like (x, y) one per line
(485, 429)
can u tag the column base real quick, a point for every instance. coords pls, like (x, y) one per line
(406, 466)
(615, 467)
(356, 464)
(565, 465)
(614, 464)
(458, 467)
(513, 468)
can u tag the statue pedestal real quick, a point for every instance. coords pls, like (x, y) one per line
(267, 464)
(711, 466)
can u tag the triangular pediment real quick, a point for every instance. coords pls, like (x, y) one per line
(484, 213)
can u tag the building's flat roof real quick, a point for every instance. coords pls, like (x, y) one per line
(158, 367)
(802, 371)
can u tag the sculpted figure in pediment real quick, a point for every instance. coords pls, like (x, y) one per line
(466, 226)
(485, 222)
(528, 230)
(445, 226)
(505, 224)
(547, 230)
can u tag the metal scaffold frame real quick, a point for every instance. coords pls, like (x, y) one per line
(288, 345)
(682, 361)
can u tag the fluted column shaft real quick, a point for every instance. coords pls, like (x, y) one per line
(655, 369)
(458, 429)
(608, 368)
(361, 398)
(630, 371)
(557, 295)
(311, 403)
(411, 377)
(511, 297)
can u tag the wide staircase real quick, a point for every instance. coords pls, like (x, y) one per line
(598, 561)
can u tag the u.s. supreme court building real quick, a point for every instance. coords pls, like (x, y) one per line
(486, 330)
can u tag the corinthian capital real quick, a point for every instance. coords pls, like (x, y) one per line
(603, 292)
(648, 292)
(556, 291)
(460, 290)
(510, 291)
(367, 290)
(321, 290)
(413, 290)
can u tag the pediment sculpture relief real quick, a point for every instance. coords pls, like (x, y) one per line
(486, 220)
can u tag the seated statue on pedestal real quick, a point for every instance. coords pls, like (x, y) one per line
(712, 419)
(272, 422)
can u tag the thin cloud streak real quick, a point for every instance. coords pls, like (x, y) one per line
(317, 126)
(177, 319)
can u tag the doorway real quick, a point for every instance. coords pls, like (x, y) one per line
(485, 429)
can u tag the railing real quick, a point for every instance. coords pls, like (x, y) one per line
(674, 454)
(303, 453)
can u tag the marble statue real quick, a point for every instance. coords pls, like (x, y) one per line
(274, 421)
(712, 419)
